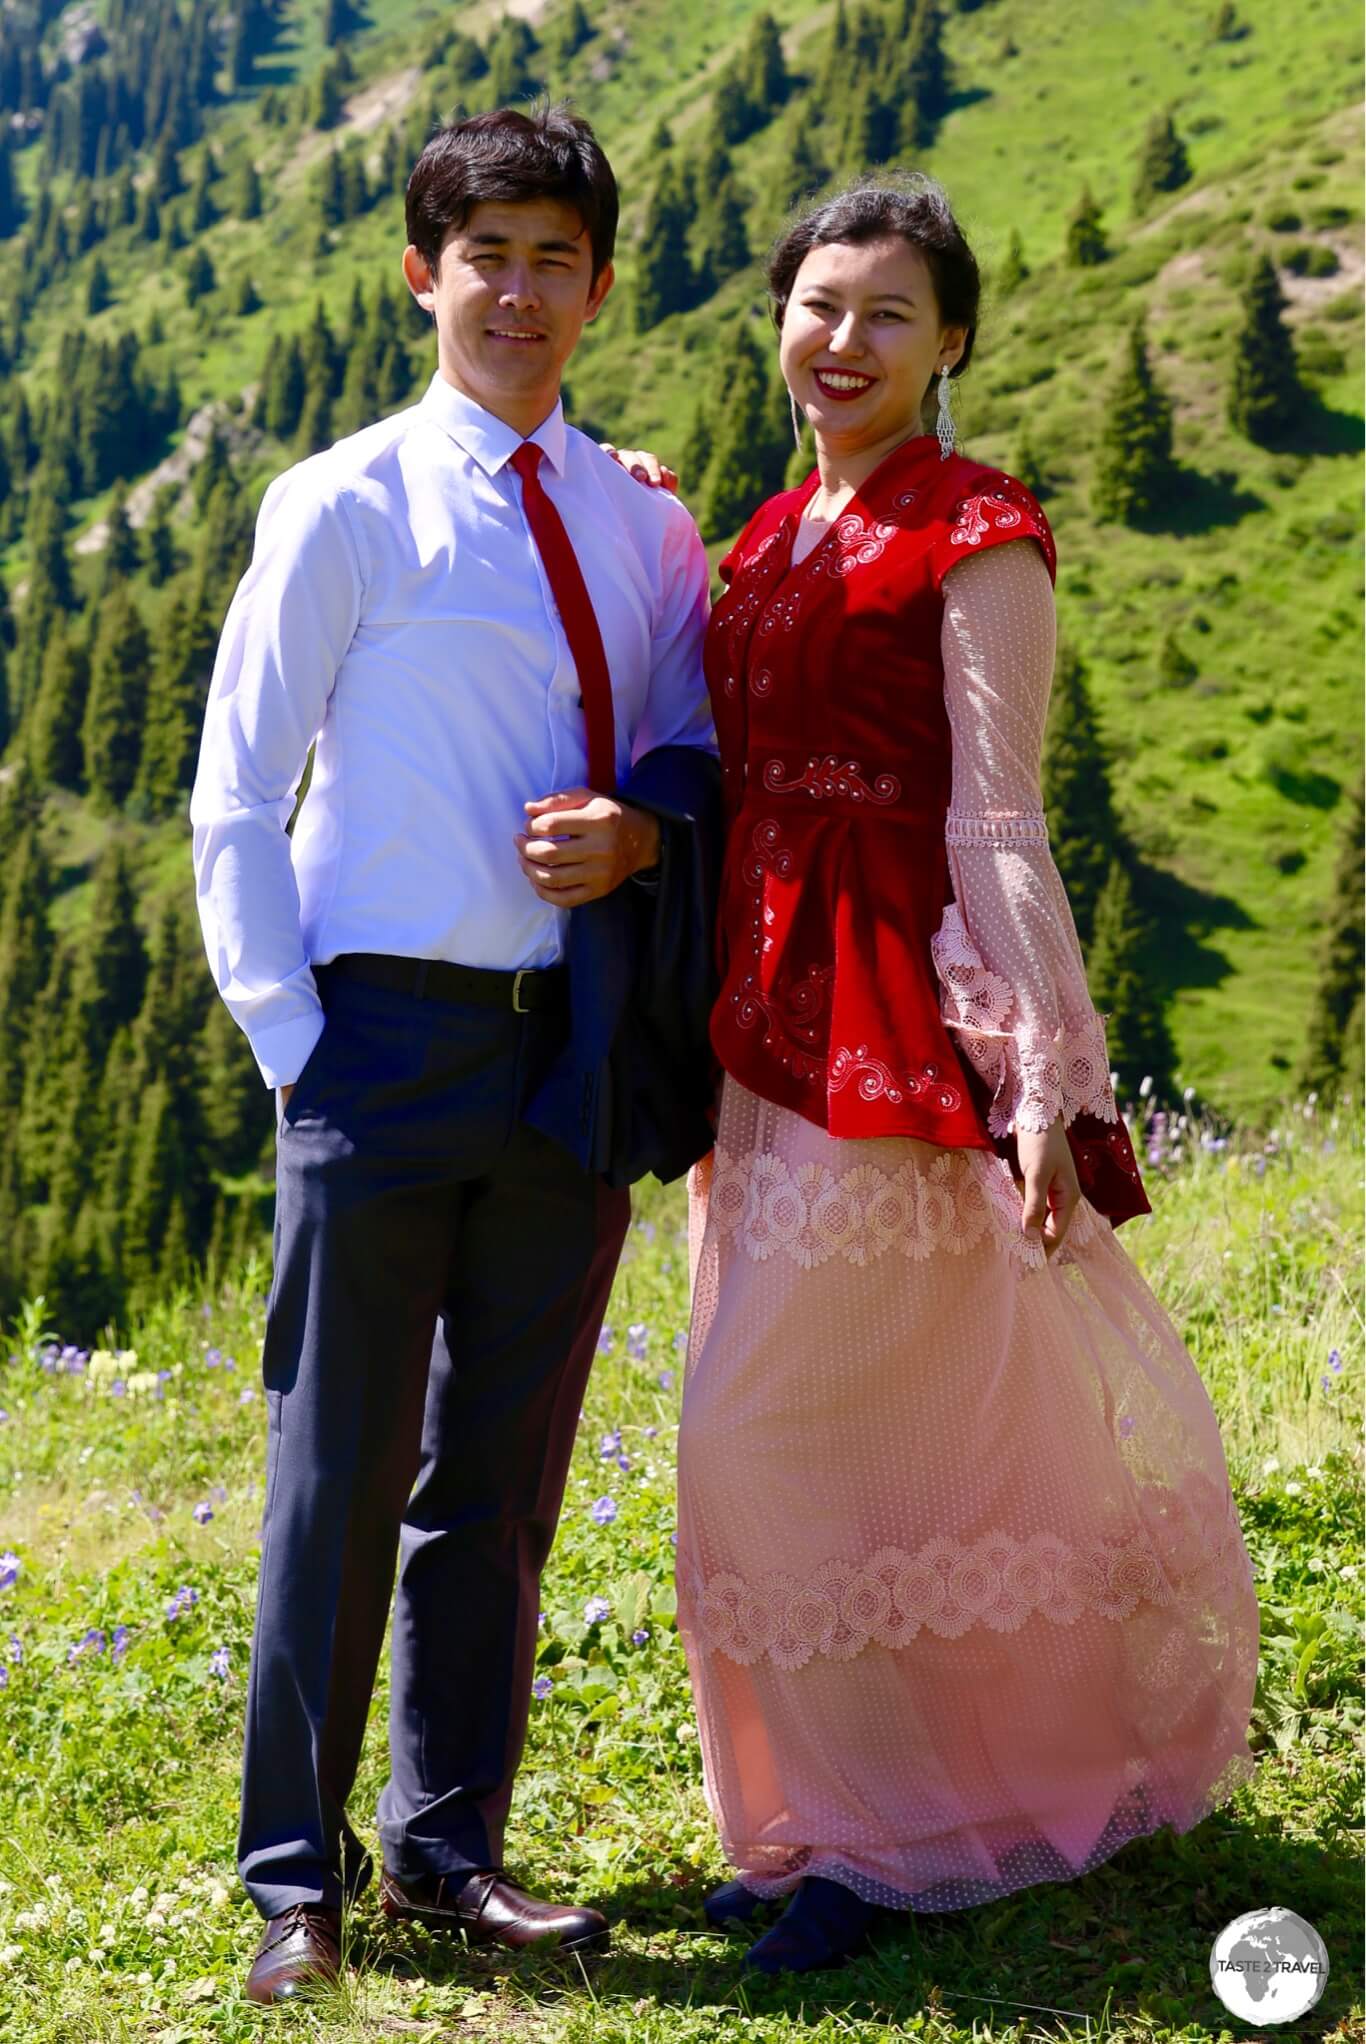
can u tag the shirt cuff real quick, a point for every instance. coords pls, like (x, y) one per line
(283, 1050)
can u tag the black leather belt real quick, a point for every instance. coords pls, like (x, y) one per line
(526, 992)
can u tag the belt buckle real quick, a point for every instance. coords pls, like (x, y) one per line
(517, 978)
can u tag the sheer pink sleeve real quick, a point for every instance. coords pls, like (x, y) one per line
(1010, 967)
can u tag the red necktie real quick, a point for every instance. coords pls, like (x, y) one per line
(577, 615)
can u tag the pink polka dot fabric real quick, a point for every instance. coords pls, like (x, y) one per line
(961, 1582)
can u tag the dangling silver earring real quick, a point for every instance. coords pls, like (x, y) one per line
(798, 418)
(943, 425)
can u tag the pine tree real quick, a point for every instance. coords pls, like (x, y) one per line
(733, 113)
(1135, 472)
(329, 198)
(1266, 399)
(147, 226)
(329, 97)
(338, 22)
(199, 275)
(720, 240)
(765, 67)
(512, 70)
(282, 388)
(54, 723)
(121, 551)
(749, 450)
(203, 210)
(695, 454)
(243, 297)
(1163, 166)
(574, 31)
(116, 705)
(11, 213)
(111, 965)
(98, 290)
(167, 181)
(157, 541)
(25, 956)
(802, 169)
(1175, 668)
(1014, 269)
(1123, 988)
(237, 1107)
(213, 464)
(246, 198)
(925, 73)
(175, 707)
(356, 194)
(1333, 1039)
(664, 279)
(1083, 829)
(1086, 242)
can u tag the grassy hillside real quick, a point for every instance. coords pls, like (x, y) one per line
(128, 1482)
(1231, 786)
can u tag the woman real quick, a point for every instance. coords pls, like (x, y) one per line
(961, 1582)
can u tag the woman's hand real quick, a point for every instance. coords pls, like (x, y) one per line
(645, 467)
(1051, 1189)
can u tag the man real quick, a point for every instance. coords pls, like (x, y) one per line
(482, 621)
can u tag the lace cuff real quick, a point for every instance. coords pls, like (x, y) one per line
(1034, 1076)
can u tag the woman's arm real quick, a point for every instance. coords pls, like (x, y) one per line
(1008, 956)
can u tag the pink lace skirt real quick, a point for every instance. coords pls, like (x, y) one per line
(963, 1590)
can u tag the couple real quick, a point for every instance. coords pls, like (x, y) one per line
(962, 1588)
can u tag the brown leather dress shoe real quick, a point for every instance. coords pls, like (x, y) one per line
(487, 1909)
(298, 1950)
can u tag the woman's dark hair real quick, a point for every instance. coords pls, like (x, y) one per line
(546, 154)
(876, 208)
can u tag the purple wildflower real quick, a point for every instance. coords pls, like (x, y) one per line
(541, 1688)
(605, 1341)
(639, 1638)
(212, 1358)
(9, 1569)
(666, 1380)
(681, 1343)
(610, 1444)
(4, 1676)
(604, 1511)
(4, 1416)
(91, 1642)
(16, 1651)
(246, 1394)
(1327, 1383)
(652, 1433)
(202, 1514)
(118, 1645)
(220, 1492)
(637, 1335)
(1127, 1424)
(1335, 1360)
(229, 1362)
(647, 1229)
(118, 1388)
(596, 1611)
(218, 1663)
(623, 1462)
(184, 1600)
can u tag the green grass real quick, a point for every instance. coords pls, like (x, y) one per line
(120, 1917)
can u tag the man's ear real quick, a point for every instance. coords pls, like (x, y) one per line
(602, 284)
(417, 275)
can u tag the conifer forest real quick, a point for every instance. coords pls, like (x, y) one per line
(201, 219)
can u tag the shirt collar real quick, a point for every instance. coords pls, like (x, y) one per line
(488, 440)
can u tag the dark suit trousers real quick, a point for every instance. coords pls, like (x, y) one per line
(441, 1273)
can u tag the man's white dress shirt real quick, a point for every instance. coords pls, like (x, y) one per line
(396, 609)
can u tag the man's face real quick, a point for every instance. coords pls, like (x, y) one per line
(511, 295)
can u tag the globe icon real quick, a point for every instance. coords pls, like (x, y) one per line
(1269, 1966)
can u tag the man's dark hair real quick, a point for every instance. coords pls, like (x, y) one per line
(548, 153)
(908, 206)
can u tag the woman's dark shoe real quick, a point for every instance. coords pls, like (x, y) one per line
(734, 1903)
(824, 1924)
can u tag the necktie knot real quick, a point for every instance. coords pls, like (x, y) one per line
(527, 461)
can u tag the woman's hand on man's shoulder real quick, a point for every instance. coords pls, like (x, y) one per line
(647, 468)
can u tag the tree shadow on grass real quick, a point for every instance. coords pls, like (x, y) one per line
(1181, 918)
(1202, 503)
(1133, 1939)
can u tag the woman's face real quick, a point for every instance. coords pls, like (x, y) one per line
(861, 340)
